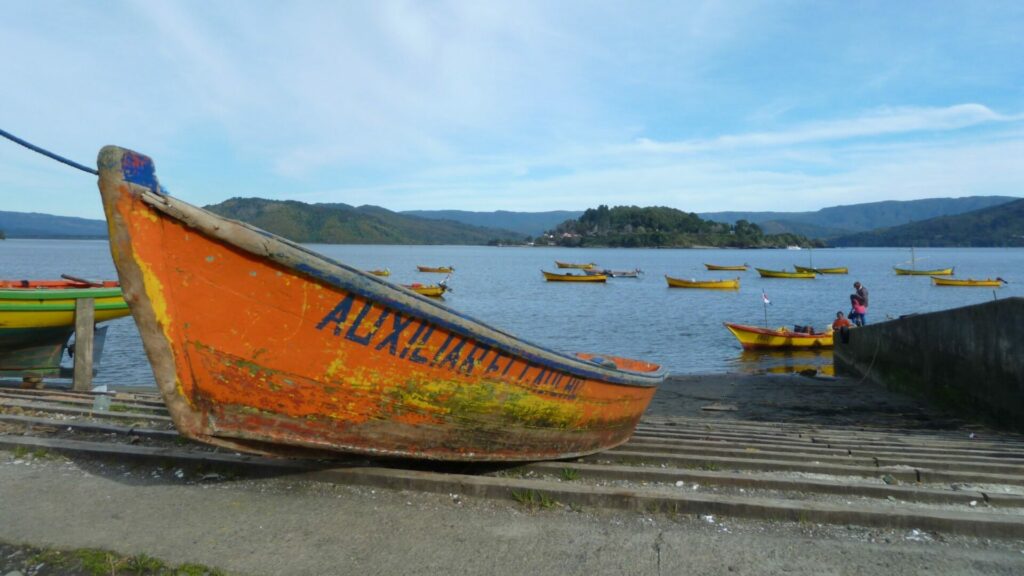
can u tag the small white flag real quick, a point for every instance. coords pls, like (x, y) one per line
(765, 298)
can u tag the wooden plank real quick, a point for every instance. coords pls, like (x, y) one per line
(85, 321)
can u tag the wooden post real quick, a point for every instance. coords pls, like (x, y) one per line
(85, 315)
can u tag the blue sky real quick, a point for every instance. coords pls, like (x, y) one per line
(520, 105)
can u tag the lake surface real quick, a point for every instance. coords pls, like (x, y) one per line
(642, 318)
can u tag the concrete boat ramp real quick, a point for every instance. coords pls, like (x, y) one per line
(704, 455)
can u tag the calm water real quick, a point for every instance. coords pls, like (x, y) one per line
(681, 329)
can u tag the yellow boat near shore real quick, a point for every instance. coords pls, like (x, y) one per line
(986, 283)
(570, 277)
(730, 284)
(753, 337)
(783, 274)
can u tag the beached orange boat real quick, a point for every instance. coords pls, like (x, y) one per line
(261, 345)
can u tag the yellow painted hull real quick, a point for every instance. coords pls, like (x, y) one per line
(384, 272)
(753, 337)
(733, 284)
(783, 274)
(54, 308)
(936, 272)
(836, 270)
(987, 283)
(437, 270)
(570, 277)
(431, 290)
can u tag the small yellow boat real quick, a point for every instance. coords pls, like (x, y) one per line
(783, 274)
(836, 270)
(913, 272)
(380, 272)
(753, 337)
(437, 269)
(731, 284)
(739, 268)
(587, 266)
(570, 277)
(430, 290)
(988, 282)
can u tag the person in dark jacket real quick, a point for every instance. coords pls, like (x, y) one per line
(862, 296)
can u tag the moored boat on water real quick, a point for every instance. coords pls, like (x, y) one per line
(753, 337)
(783, 274)
(429, 290)
(738, 268)
(570, 277)
(380, 272)
(915, 272)
(37, 318)
(835, 270)
(575, 266)
(634, 273)
(986, 283)
(436, 269)
(259, 344)
(728, 284)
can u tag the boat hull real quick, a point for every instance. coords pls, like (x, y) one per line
(740, 268)
(588, 266)
(261, 345)
(554, 277)
(429, 290)
(836, 270)
(755, 338)
(967, 282)
(936, 272)
(733, 284)
(436, 270)
(783, 274)
(32, 351)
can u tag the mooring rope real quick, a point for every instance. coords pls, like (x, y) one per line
(44, 152)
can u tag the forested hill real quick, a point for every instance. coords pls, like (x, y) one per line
(526, 223)
(344, 224)
(1001, 225)
(842, 220)
(661, 227)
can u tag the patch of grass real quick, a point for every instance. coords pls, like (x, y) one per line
(20, 451)
(570, 474)
(533, 499)
(709, 466)
(119, 408)
(40, 453)
(96, 562)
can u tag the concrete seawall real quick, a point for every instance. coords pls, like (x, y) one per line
(969, 360)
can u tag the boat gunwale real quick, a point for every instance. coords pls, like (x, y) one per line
(321, 268)
(723, 284)
(58, 293)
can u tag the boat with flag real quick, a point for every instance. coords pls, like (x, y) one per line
(754, 337)
(261, 345)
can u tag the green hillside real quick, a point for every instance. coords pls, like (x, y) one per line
(526, 223)
(344, 224)
(662, 227)
(844, 220)
(1001, 226)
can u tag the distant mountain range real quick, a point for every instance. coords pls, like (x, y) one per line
(970, 221)
(1001, 225)
(844, 220)
(526, 223)
(344, 224)
(36, 225)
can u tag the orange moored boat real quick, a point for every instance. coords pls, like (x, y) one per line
(261, 345)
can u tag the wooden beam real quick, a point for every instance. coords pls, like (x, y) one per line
(85, 320)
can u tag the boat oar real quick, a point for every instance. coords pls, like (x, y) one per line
(81, 280)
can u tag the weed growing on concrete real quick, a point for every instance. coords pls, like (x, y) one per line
(119, 408)
(709, 466)
(533, 499)
(40, 453)
(570, 474)
(94, 562)
(20, 451)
